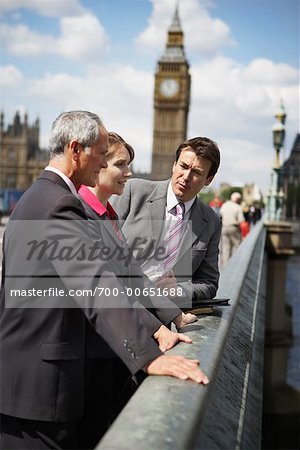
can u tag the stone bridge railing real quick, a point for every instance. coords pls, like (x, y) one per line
(166, 413)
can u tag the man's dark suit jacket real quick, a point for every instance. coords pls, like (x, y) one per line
(142, 208)
(44, 350)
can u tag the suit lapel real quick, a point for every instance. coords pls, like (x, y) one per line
(119, 248)
(198, 220)
(195, 227)
(111, 231)
(157, 202)
(110, 239)
(106, 224)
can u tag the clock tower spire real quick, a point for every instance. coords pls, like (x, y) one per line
(171, 101)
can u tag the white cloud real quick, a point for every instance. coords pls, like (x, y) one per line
(223, 84)
(214, 80)
(10, 76)
(265, 71)
(120, 94)
(244, 161)
(203, 34)
(20, 40)
(82, 38)
(120, 88)
(50, 8)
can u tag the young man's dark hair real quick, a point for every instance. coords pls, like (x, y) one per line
(204, 147)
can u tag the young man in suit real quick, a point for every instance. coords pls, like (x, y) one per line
(49, 361)
(148, 208)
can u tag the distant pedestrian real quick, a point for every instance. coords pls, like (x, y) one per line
(216, 204)
(254, 214)
(245, 225)
(232, 216)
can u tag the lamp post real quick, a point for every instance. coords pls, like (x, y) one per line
(275, 194)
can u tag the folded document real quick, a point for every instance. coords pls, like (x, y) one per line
(204, 306)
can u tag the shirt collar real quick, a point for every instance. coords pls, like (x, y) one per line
(67, 180)
(90, 198)
(172, 200)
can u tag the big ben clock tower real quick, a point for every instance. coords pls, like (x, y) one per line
(171, 102)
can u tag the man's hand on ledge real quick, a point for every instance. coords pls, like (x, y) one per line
(167, 283)
(167, 339)
(177, 366)
(184, 319)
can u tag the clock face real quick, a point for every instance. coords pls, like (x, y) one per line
(169, 87)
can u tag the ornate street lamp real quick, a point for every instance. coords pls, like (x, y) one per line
(278, 131)
(275, 194)
(281, 114)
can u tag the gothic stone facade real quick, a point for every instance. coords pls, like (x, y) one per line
(21, 159)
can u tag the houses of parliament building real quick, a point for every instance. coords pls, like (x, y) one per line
(21, 159)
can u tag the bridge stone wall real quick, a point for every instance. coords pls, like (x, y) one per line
(167, 413)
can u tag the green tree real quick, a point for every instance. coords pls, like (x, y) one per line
(225, 194)
(207, 197)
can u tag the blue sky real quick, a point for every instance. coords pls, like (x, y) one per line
(101, 54)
